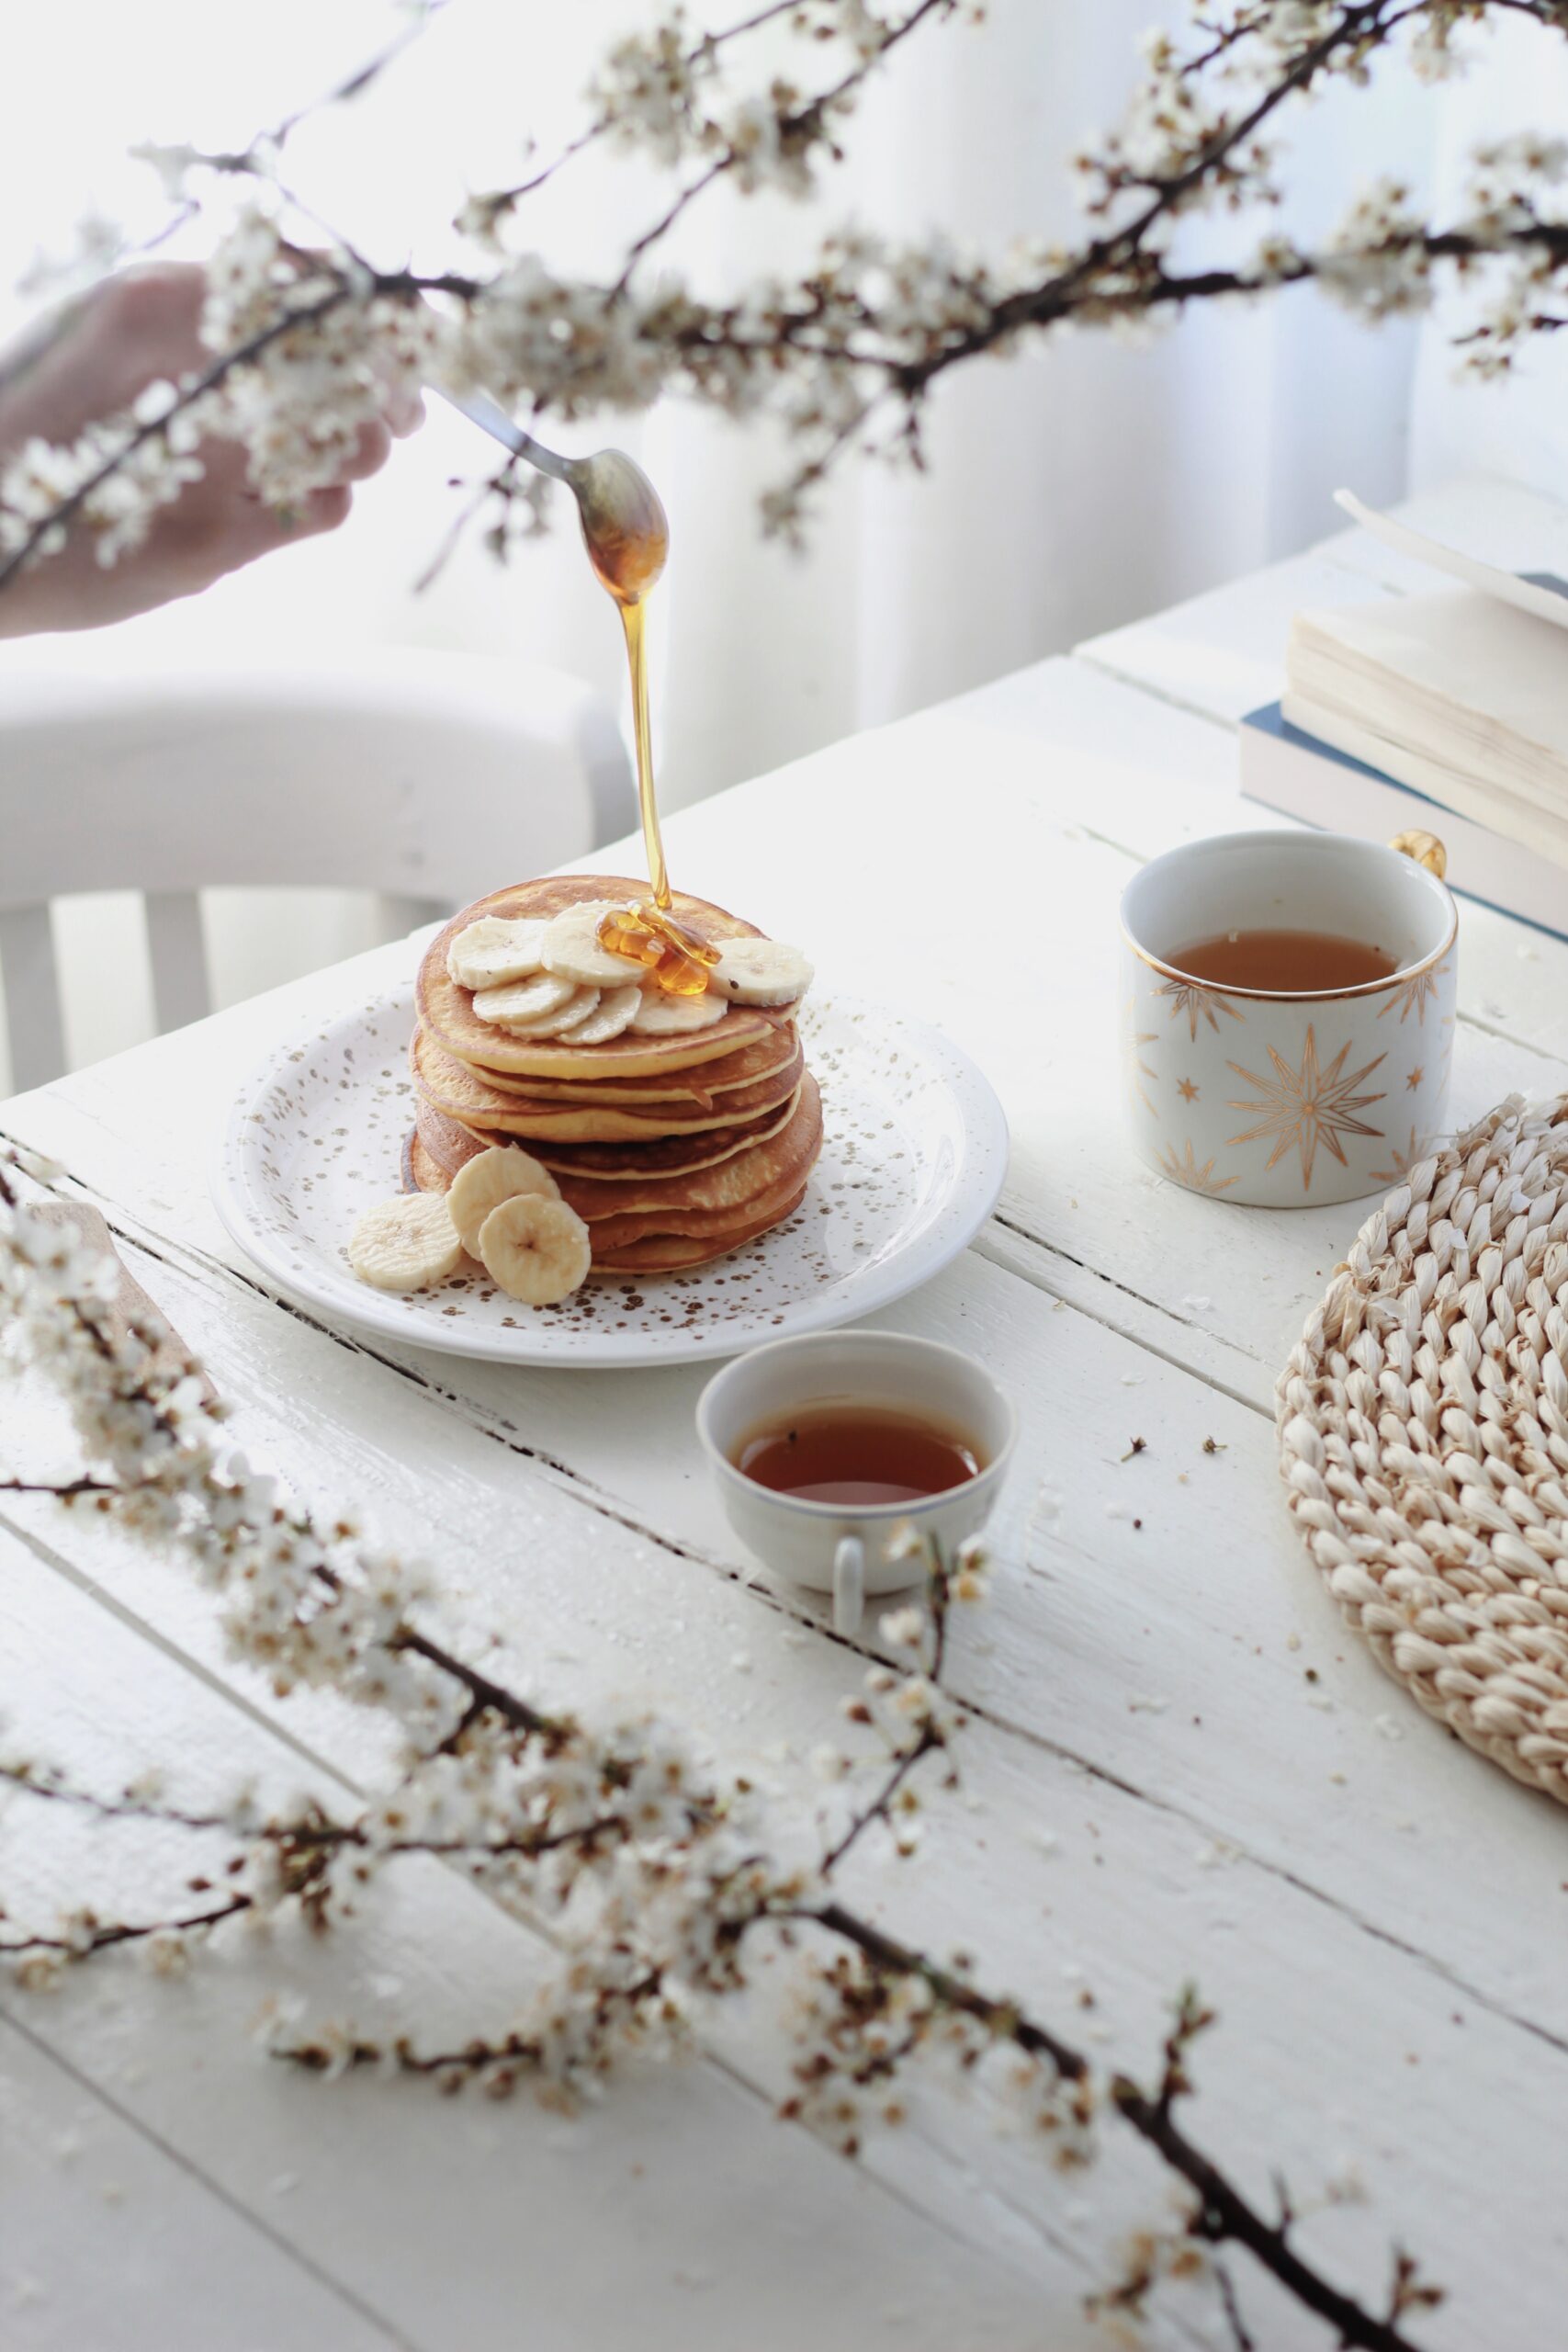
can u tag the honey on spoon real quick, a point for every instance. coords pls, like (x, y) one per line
(628, 537)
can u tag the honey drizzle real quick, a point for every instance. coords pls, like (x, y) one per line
(676, 959)
(633, 613)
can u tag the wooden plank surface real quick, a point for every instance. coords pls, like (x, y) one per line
(112, 2244)
(1179, 1761)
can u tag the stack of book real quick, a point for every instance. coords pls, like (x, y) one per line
(1446, 713)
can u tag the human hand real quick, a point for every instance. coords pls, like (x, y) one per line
(90, 362)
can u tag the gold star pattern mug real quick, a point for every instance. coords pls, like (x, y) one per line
(1288, 1098)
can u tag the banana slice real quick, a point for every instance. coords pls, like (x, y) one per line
(661, 1015)
(614, 1012)
(405, 1244)
(493, 951)
(537, 1250)
(524, 1000)
(502, 1173)
(570, 947)
(760, 971)
(556, 1023)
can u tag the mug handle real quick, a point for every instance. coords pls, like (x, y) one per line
(849, 1585)
(1425, 849)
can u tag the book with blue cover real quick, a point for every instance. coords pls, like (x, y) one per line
(1284, 767)
(1446, 712)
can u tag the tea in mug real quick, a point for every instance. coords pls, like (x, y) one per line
(1284, 963)
(857, 1455)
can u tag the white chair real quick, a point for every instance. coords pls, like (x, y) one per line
(426, 778)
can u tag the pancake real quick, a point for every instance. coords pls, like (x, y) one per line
(615, 1233)
(706, 1203)
(670, 1156)
(659, 1253)
(449, 1144)
(719, 1192)
(447, 1011)
(452, 1087)
(675, 1256)
(701, 1086)
(620, 1164)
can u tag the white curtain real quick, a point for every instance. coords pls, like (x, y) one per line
(1517, 428)
(1068, 491)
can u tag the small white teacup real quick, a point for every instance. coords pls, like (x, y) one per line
(1287, 1099)
(843, 1548)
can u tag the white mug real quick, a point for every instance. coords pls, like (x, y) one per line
(1289, 1100)
(837, 1547)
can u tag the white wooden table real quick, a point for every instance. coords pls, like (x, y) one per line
(1180, 1762)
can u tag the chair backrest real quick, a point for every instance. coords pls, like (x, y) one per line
(426, 778)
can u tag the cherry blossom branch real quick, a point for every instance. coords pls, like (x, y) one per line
(930, 1731)
(495, 203)
(859, 341)
(93, 1938)
(881, 1808)
(314, 1835)
(156, 431)
(998, 2016)
(355, 83)
(666, 221)
(485, 1696)
(794, 132)
(503, 2062)
(63, 1491)
(1044, 306)
(1224, 2215)
(302, 1848)
(1241, 2335)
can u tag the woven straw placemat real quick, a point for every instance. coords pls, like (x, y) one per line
(1424, 1438)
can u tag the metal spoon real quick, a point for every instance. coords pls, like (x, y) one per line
(623, 524)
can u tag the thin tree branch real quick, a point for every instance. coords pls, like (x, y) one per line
(61, 1493)
(295, 1839)
(667, 220)
(888, 1952)
(123, 1932)
(496, 485)
(1225, 2214)
(805, 123)
(487, 1694)
(503, 199)
(451, 2066)
(881, 1807)
(357, 82)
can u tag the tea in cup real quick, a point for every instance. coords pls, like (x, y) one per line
(1287, 1013)
(826, 1447)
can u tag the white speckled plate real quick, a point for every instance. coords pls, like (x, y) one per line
(913, 1156)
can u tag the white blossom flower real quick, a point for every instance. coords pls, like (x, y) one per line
(167, 1954)
(904, 1629)
(39, 1972)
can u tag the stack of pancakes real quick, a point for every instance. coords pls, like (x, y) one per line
(673, 1149)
